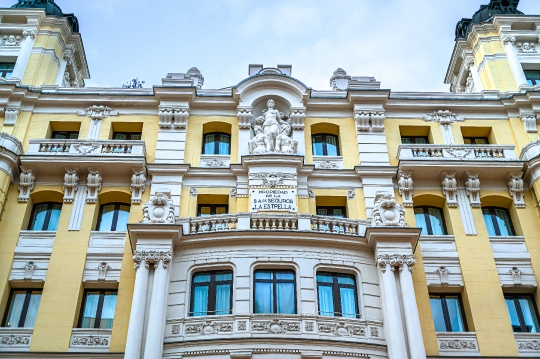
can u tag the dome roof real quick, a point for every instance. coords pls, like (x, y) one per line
(486, 13)
(51, 8)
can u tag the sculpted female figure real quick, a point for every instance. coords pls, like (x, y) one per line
(260, 143)
(284, 143)
(272, 123)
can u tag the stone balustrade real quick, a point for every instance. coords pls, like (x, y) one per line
(456, 152)
(86, 148)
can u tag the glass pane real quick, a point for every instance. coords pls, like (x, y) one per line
(15, 309)
(338, 212)
(224, 147)
(6, 66)
(107, 313)
(59, 136)
(285, 298)
(331, 145)
(223, 299)
(90, 310)
(120, 136)
(201, 278)
(33, 307)
(326, 301)
(405, 140)
(348, 303)
(489, 222)
(421, 220)
(467, 141)
(322, 211)
(512, 312)
(345, 280)
(40, 213)
(263, 274)
(209, 144)
(205, 211)
(107, 215)
(481, 141)
(324, 278)
(55, 217)
(503, 220)
(285, 275)
(436, 221)
(455, 314)
(317, 145)
(123, 217)
(529, 314)
(223, 276)
(135, 136)
(73, 135)
(437, 312)
(221, 210)
(264, 298)
(420, 140)
(200, 301)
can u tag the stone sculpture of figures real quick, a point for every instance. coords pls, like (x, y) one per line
(272, 133)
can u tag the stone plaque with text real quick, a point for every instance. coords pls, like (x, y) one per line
(273, 199)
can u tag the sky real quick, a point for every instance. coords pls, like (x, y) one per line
(404, 44)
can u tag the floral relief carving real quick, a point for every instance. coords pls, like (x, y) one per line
(529, 345)
(472, 188)
(215, 163)
(516, 190)
(273, 179)
(15, 340)
(29, 268)
(275, 326)
(90, 341)
(342, 329)
(93, 185)
(406, 188)
(374, 332)
(443, 117)
(327, 165)
(457, 344)
(208, 328)
(11, 40)
(515, 272)
(175, 329)
(102, 268)
(526, 47)
(449, 189)
(242, 325)
(351, 194)
(85, 148)
(311, 194)
(459, 153)
(309, 326)
(442, 271)
(98, 113)
(232, 193)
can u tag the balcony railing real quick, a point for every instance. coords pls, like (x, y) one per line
(274, 222)
(456, 152)
(86, 147)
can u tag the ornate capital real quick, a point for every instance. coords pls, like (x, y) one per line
(516, 190)
(406, 188)
(449, 189)
(93, 185)
(26, 184)
(138, 185)
(152, 257)
(369, 120)
(472, 188)
(509, 40)
(29, 33)
(71, 181)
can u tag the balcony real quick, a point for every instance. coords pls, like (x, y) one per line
(15, 339)
(456, 152)
(457, 344)
(90, 340)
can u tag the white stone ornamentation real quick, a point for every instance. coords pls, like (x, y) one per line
(508, 40)
(159, 209)
(311, 194)
(29, 268)
(29, 33)
(472, 188)
(173, 117)
(273, 179)
(526, 47)
(272, 133)
(93, 185)
(152, 257)
(406, 188)
(98, 113)
(244, 117)
(529, 122)
(387, 212)
(232, 193)
(298, 116)
(516, 190)
(102, 268)
(208, 328)
(351, 194)
(90, 341)
(449, 189)
(138, 185)
(11, 40)
(193, 192)
(443, 117)
(71, 181)
(11, 115)
(275, 326)
(367, 120)
(516, 276)
(442, 271)
(469, 85)
(26, 184)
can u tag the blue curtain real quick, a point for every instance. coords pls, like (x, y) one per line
(512, 312)
(224, 144)
(107, 313)
(326, 301)
(348, 303)
(438, 316)
(421, 220)
(15, 309)
(264, 298)
(123, 217)
(503, 221)
(33, 307)
(200, 301)
(55, 217)
(40, 213)
(331, 145)
(223, 299)
(489, 222)
(285, 298)
(317, 144)
(436, 221)
(90, 310)
(455, 314)
(107, 215)
(209, 144)
(529, 314)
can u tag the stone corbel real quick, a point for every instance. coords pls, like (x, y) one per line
(181, 116)
(298, 116)
(442, 271)
(369, 120)
(529, 122)
(449, 189)
(138, 185)
(472, 188)
(244, 115)
(102, 268)
(11, 115)
(29, 268)
(98, 113)
(515, 272)
(516, 189)
(71, 181)
(93, 185)
(27, 180)
(406, 188)
(160, 209)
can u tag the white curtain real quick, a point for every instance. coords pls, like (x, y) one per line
(15, 311)
(123, 217)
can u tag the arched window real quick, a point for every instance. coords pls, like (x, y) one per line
(113, 217)
(275, 292)
(325, 144)
(337, 295)
(211, 293)
(216, 143)
(431, 220)
(498, 221)
(45, 216)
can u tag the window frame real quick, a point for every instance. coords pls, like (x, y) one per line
(324, 143)
(532, 81)
(68, 133)
(515, 298)
(427, 219)
(4, 72)
(415, 137)
(216, 143)
(274, 282)
(494, 221)
(213, 208)
(128, 135)
(212, 288)
(336, 294)
(328, 208)
(115, 215)
(47, 216)
(26, 304)
(474, 138)
(99, 309)
(446, 313)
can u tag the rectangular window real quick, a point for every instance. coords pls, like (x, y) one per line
(45, 217)
(431, 220)
(498, 221)
(448, 313)
(65, 135)
(275, 292)
(475, 140)
(533, 77)
(6, 69)
(415, 140)
(523, 313)
(212, 209)
(126, 136)
(337, 295)
(22, 308)
(97, 310)
(211, 293)
(339, 212)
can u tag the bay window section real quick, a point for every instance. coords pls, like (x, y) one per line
(431, 220)
(325, 144)
(275, 292)
(211, 293)
(447, 313)
(523, 313)
(97, 309)
(498, 222)
(337, 295)
(22, 309)
(113, 217)
(216, 143)
(45, 217)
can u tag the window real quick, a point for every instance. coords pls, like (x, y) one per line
(414, 139)
(475, 140)
(337, 295)
(275, 292)
(498, 221)
(533, 77)
(97, 309)
(523, 313)
(22, 308)
(6, 69)
(325, 144)
(216, 143)
(211, 293)
(126, 136)
(65, 135)
(339, 212)
(431, 220)
(447, 313)
(212, 209)
(113, 217)
(45, 217)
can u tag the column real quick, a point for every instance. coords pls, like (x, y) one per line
(513, 61)
(244, 130)
(476, 78)
(156, 318)
(136, 318)
(412, 320)
(24, 55)
(62, 69)
(393, 327)
(298, 117)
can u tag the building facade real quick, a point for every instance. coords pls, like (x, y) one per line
(269, 219)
